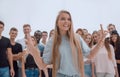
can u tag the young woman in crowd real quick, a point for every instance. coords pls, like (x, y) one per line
(105, 63)
(88, 39)
(115, 41)
(80, 32)
(64, 50)
(88, 63)
(52, 32)
(95, 37)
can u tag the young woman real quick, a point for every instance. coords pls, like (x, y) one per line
(115, 41)
(105, 64)
(95, 37)
(64, 50)
(80, 32)
(51, 33)
(88, 40)
(88, 63)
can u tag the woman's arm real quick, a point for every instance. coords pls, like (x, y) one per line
(95, 49)
(35, 53)
(46, 72)
(93, 69)
(23, 61)
(102, 35)
(116, 72)
(118, 61)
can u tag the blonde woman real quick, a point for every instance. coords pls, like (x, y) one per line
(104, 60)
(64, 50)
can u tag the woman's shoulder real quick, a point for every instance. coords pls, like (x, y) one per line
(110, 46)
(78, 37)
(50, 40)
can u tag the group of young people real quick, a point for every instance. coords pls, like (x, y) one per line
(65, 54)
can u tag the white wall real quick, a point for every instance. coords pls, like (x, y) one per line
(41, 14)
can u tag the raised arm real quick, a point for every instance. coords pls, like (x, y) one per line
(35, 53)
(94, 51)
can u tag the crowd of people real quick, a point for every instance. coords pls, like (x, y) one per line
(65, 54)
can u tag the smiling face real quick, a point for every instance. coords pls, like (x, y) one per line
(27, 30)
(13, 34)
(111, 28)
(64, 23)
(88, 38)
(114, 38)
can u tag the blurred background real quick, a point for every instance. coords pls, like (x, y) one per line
(41, 14)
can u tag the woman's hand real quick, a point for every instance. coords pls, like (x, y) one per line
(49, 66)
(34, 52)
(103, 33)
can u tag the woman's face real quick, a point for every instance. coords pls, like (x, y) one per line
(114, 38)
(52, 33)
(88, 39)
(64, 22)
(95, 37)
(80, 33)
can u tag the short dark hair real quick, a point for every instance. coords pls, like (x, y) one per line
(37, 32)
(26, 25)
(111, 25)
(2, 23)
(14, 29)
(114, 32)
(45, 32)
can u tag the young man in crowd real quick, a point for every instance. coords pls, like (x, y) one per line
(16, 49)
(6, 60)
(26, 30)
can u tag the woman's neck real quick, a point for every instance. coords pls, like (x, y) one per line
(63, 33)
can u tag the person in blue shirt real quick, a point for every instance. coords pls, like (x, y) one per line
(64, 50)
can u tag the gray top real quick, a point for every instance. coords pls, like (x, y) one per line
(66, 64)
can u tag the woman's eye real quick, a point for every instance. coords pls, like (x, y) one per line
(69, 19)
(62, 18)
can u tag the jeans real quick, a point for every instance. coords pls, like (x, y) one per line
(104, 75)
(88, 70)
(4, 72)
(62, 75)
(19, 72)
(32, 72)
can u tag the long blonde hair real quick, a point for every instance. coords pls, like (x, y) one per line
(74, 43)
(107, 46)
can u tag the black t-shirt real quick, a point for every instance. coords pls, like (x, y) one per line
(15, 50)
(30, 63)
(117, 51)
(4, 44)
